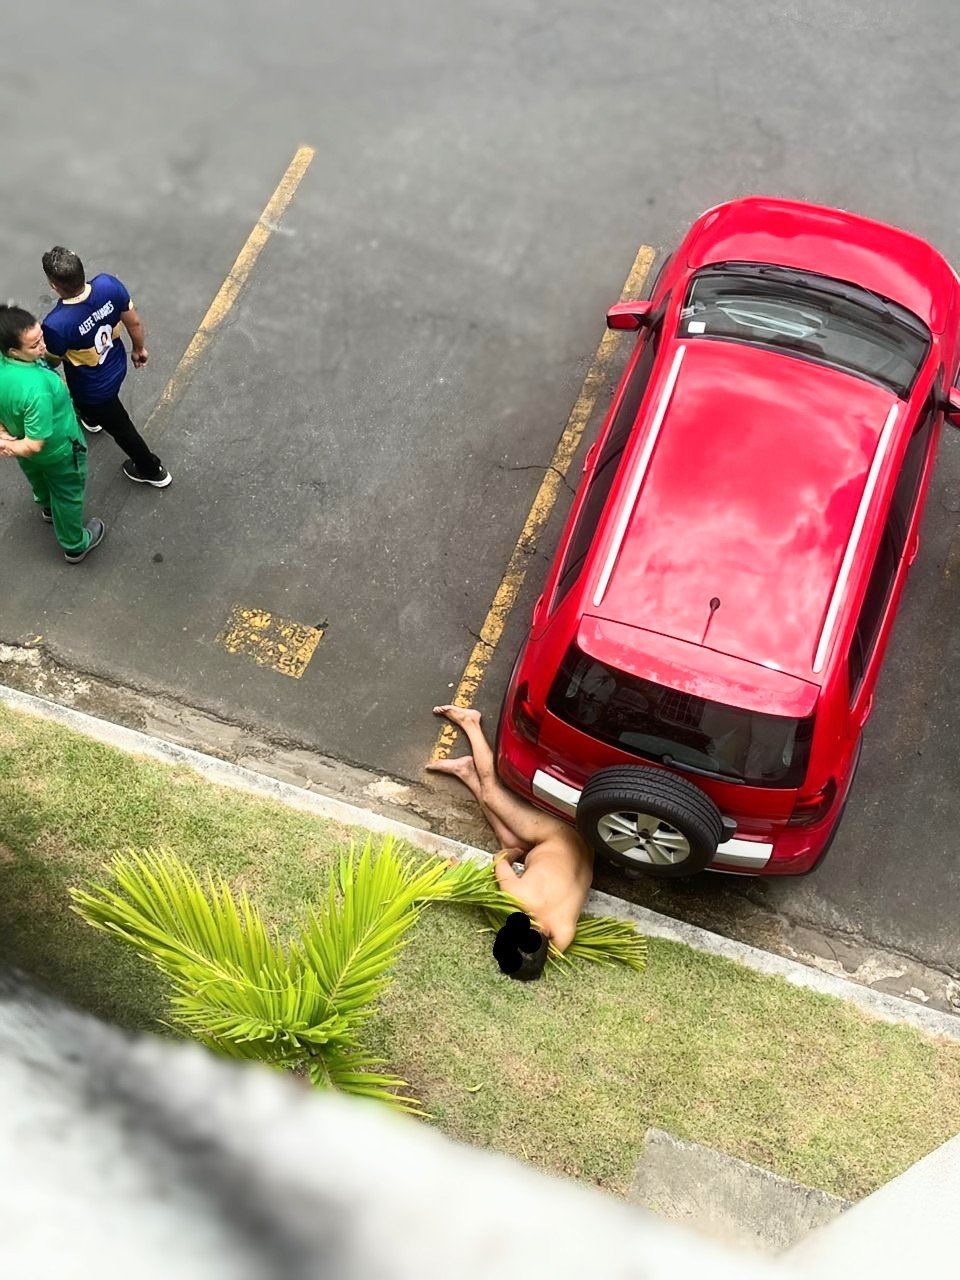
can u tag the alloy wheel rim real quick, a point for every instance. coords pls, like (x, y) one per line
(643, 838)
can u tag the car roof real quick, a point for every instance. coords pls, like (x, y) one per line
(829, 242)
(749, 499)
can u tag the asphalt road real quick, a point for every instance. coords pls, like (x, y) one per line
(363, 438)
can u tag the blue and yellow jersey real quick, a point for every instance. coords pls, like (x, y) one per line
(86, 334)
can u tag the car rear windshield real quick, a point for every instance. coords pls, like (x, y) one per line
(657, 723)
(810, 316)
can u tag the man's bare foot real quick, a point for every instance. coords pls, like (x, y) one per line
(462, 767)
(458, 715)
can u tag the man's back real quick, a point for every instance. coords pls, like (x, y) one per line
(554, 885)
(85, 332)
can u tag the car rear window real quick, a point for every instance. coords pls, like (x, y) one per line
(809, 316)
(658, 723)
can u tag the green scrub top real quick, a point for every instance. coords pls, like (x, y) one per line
(35, 403)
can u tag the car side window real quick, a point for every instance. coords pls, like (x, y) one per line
(884, 573)
(606, 467)
(872, 610)
(911, 471)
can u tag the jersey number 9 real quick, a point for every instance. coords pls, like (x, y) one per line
(103, 342)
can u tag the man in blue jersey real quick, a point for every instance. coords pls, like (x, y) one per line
(83, 330)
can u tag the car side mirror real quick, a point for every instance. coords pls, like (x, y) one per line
(631, 315)
(952, 406)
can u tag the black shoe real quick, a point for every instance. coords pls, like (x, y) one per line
(46, 515)
(96, 529)
(133, 472)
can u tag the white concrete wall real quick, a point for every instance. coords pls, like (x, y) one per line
(908, 1229)
(136, 1157)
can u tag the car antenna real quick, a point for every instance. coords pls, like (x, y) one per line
(714, 606)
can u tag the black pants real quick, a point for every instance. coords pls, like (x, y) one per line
(113, 417)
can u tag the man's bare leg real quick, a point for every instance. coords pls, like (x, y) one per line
(464, 769)
(529, 824)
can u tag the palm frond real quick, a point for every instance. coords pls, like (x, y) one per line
(353, 938)
(275, 1018)
(161, 907)
(234, 986)
(241, 992)
(358, 1074)
(238, 989)
(608, 941)
(468, 883)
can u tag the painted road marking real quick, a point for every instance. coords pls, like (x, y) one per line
(267, 223)
(543, 503)
(270, 641)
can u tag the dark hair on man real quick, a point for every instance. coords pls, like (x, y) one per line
(519, 949)
(64, 268)
(14, 322)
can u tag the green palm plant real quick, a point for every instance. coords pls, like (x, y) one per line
(302, 1004)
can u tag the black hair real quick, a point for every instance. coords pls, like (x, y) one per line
(519, 949)
(64, 268)
(14, 322)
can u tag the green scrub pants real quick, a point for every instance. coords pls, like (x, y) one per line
(58, 482)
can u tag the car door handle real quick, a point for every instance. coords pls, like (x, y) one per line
(914, 548)
(591, 454)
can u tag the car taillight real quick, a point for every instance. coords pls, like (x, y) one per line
(525, 719)
(809, 810)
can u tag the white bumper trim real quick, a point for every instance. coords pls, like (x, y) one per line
(750, 855)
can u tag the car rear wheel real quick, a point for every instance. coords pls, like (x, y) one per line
(645, 819)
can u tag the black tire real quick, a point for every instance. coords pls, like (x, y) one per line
(640, 789)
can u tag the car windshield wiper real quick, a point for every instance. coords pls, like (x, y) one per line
(704, 773)
(832, 288)
(815, 283)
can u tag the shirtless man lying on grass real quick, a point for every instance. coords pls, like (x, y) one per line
(558, 864)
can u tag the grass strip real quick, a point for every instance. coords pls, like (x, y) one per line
(566, 1073)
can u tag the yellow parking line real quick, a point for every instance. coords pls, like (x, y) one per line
(546, 496)
(236, 279)
(269, 640)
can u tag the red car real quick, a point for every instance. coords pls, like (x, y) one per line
(703, 658)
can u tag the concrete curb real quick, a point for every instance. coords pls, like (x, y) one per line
(730, 1200)
(877, 1004)
(226, 774)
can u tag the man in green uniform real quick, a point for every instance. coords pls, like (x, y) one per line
(38, 427)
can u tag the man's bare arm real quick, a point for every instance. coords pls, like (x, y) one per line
(11, 447)
(134, 327)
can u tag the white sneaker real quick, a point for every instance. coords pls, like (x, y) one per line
(159, 481)
(90, 426)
